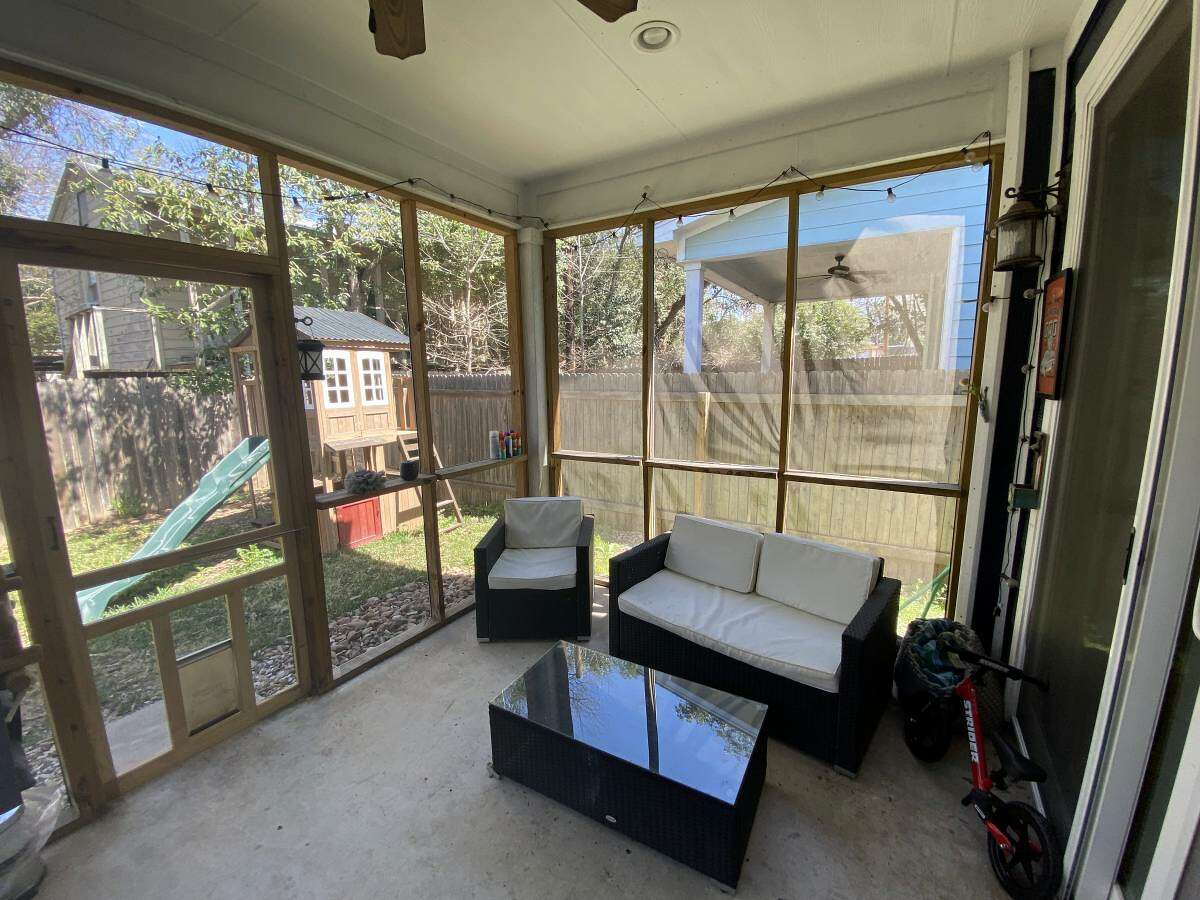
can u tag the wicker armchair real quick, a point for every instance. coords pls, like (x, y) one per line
(533, 572)
(834, 716)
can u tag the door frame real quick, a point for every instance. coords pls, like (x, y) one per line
(36, 528)
(1131, 695)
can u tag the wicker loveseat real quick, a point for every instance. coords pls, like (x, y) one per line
(807, 628)
(533, 572)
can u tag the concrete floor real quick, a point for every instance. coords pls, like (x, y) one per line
(380, 789)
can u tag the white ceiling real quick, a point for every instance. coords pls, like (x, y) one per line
(530, 88)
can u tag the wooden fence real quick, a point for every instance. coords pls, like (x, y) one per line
(858, 419)
(154, 441)
(464, 408)
(138, 437)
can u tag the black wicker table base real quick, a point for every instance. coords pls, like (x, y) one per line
(673, 764)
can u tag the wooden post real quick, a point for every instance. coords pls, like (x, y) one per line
(995, 166)
(785, 360)
(275, 327)
(416, 329)
(39, 548)
(550, 326)
(649, 317)
(235, 606)
(168, 674)
(701, 452)
(516, 353)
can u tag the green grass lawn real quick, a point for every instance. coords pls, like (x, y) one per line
(124, 662)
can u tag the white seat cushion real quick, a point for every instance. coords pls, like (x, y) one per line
(535, 522)
(724, 555)
(822, 579)
(756, 630)
(546, 569)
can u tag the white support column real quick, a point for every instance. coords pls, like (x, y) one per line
(693, 315)
(767, 361)
(529, 258)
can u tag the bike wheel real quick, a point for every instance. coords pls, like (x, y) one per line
(1033, 870)
(927, 732)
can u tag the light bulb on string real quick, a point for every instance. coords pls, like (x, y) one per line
(731, 215)
(891, 196)
(820, 193)
(974, 161)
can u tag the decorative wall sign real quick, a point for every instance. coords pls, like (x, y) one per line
(1052, 345)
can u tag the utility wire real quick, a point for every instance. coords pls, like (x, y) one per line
(18, 136)
(107, 161)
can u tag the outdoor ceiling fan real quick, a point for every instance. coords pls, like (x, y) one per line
(840, 272)
(399, 25)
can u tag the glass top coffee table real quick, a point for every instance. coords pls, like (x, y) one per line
(671, 763)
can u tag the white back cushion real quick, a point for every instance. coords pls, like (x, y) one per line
(724, 555)
(535, 522)
(822, 579)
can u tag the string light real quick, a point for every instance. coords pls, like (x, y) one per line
(18, 136)
(969, 156)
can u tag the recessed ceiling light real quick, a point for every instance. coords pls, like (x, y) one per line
(654, 37)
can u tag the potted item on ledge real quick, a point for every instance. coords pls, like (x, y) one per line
(408, 469)
(363, 481)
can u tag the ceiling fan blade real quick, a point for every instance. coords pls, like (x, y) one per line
(399, 27)
(611, 10)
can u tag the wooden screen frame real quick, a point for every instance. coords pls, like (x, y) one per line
(60, 639)
(782, 474)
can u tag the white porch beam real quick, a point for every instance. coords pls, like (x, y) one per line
(767, 361)
(533, 325)
(693, 315)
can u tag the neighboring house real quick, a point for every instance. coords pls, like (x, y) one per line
(104, 324)
(927, 242)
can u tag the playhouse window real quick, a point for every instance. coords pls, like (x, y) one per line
(337, 379)
(371, 369)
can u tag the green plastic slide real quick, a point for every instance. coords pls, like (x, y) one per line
(238, 467)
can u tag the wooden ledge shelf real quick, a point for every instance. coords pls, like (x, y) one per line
(711, 468)
(901, 485)
(333, 499)
(620, 459)
(482, 466)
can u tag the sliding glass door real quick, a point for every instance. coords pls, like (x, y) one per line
(1114, 547)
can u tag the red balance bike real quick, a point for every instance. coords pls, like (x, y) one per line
(1022, 849)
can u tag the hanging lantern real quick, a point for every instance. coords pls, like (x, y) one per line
(309, 349)
(1020, 232)
(1019, 236)
(310, 359)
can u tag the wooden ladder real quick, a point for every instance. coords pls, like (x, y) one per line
(410, 449)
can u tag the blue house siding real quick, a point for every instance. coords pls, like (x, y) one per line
(954, 199)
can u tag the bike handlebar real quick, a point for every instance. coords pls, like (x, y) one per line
(1002, 668)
